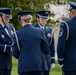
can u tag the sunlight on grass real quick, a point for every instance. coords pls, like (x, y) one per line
(15, 66)
(56, 70)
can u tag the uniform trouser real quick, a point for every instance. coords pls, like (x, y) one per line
(48, 71)
(69, 73)
(32, 73)
(5, 72)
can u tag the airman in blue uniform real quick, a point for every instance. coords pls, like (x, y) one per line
(66, 48)
(42, 18)
(6, 41)
(33, 47)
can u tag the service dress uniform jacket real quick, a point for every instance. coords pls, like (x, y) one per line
(33, 48)
(6, 42)
(49, 36)
(66, 49)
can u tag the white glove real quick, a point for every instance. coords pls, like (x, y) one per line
(60, 65)
(52, 65)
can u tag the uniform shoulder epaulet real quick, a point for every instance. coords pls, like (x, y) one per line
(67, 26)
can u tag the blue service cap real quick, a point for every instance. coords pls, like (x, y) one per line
(26, 12)
(6, 12)
(43, 14)
(72, 5)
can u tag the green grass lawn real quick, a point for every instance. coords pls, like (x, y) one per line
(15, 66)
(55, 71)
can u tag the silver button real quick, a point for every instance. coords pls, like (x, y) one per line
(9, 42)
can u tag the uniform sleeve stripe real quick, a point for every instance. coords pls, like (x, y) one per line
(52, 57)
(60, 59)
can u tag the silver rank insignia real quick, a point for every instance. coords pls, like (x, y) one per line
(2, 36)
(46, 12)
(12, 33)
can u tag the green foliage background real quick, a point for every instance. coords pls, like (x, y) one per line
(33, 5)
